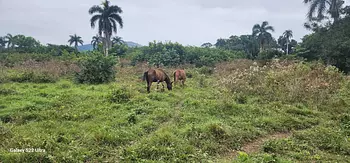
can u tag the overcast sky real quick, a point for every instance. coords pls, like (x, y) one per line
(190, 22)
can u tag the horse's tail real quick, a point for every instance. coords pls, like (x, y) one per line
(174, 76)
(145, 76)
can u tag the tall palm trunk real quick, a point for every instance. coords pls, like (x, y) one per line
(287, 47)
(334, 9)
(261, 46)
(106, 43)
(76, 46)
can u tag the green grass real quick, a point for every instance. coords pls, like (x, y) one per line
(199, 123)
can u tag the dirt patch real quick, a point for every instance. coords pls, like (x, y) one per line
(255, 146)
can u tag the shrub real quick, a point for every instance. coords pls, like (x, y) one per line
(174, 54)
(206, 70)
(10, 60)
(269, 54)
(285, 81)
(31, 76)
(96, 69)
(119, 95)
(37, 72)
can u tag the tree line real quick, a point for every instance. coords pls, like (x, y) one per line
(327, 19)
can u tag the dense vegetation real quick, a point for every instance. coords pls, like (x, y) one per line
(93, 106)
(202, 122)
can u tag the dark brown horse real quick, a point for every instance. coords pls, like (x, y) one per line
(157, 75)
(180, 75)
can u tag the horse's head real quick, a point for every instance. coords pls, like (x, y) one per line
(170, 85)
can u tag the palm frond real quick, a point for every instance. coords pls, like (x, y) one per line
(95, 9)
(312, 9)
(264, 24)
(94, 19)
(114, 10)
(321, 9)
(117, 18)
(256, 29)
(8, 36)
(114, 25)
(80, 42)
(270, 28)
(70, 42)
(288, 34)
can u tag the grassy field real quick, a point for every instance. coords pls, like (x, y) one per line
(237, 113)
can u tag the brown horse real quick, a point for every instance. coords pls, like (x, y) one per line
(180, 75)
(156, 75)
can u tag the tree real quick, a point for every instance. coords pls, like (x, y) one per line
(282, 42)
(246, 43)
(220, 43)
(2, 42)
(117, 40)
(330, 45)
(74, 39)
(323, 7)
(261, 32)
(287, 35)
(207, 45)
(107, 17)
(250, 46)
(95, 41)
(9, 39)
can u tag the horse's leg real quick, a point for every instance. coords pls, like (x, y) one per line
(163, 85)
(149, 84)
(157, 84)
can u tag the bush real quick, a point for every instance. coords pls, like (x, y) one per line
(119, 95)
(96, 69)
(35, 77)
(206, 70)
(287, 82)
(37, 72)
(10, 60)
(269, 54)
(174, 54)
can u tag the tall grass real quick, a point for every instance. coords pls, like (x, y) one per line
(284, 81)
(218, 111)
(37, 72)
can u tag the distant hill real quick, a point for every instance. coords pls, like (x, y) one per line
(88, 47)
(132, 44)
(85, 47)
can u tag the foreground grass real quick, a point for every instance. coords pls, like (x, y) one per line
(199, 123)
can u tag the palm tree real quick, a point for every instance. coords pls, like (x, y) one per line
(9, 39)
(288, 34)
(261, 32)
(107, 17)
(322, 7)
(117, 40)
(74, 39)
(95, 41)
